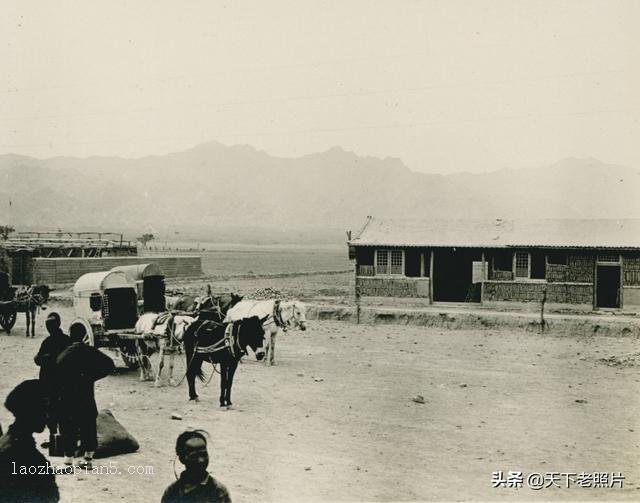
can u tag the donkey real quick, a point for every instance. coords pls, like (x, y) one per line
(29, 300)
(210, 340)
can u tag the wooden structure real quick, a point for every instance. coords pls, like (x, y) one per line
(24, 247)
(592, 263)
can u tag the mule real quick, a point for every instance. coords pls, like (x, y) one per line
(278, 315)
(29, 300)
(209, 340)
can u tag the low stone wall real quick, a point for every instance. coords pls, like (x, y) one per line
(559, 325)
(524, 291)
(67, 270)
(393, 287)
(631, 298)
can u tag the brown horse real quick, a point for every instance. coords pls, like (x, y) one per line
(29, 300)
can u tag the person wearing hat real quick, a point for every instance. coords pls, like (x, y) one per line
(25, 474)
(77, 368)
(54, 344)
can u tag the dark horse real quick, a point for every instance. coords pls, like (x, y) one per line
(188, 303)
(29, 300)
(210, 340)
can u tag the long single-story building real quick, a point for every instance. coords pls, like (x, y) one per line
(591, 263)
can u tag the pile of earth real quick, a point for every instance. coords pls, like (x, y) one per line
(267, 293)
(632, 360)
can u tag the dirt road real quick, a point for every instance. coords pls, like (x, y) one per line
(335, 419)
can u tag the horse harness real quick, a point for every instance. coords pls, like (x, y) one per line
(230, 341)
(277, 316)
(30, 297)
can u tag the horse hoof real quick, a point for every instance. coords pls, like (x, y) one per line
(196, 399)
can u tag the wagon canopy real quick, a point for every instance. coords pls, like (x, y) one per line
(100, 281)
(138, 272)
(149, 281)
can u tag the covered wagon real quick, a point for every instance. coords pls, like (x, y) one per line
(106, 308)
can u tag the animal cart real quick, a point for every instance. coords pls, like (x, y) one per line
(8, 305)
(106, 308)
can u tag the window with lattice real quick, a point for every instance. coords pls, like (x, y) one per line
(382, 262)
(396, 262)
(389, 262)
(611, 258)
(522, 265)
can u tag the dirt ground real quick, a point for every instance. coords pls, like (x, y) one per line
(335, 419)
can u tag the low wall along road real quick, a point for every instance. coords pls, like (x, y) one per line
(68, 270)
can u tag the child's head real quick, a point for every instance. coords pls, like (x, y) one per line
(52, 323)
(77, 332)
(191, 448)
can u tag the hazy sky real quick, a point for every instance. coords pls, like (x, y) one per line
(444, 85)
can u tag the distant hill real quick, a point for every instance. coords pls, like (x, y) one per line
(216, 186)
(571, 188)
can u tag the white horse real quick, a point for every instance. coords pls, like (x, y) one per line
(281, 315)
(168, 330)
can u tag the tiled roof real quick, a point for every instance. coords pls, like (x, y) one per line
(561, 233)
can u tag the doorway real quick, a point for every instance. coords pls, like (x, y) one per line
(608, 286)
(452, 275)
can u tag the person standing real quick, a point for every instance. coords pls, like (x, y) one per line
(19, 480)
(78, 368)
(50, 349)
(195, 484)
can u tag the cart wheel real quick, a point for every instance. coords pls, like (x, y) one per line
(89, 337)
(7, 321)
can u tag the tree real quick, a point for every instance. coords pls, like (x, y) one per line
(5, 230)
(145, 238)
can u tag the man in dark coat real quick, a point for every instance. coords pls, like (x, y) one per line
(25, 474)
(78, 368)
(50, 349)
(195, 483)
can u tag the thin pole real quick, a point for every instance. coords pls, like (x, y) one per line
(544, 299)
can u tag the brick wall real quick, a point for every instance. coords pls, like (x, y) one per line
(561, 293)
(68, 270)
(394, 287)
(581, 269)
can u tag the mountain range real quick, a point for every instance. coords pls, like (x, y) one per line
(239, 187)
